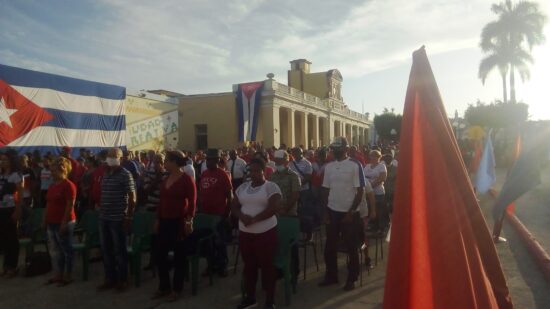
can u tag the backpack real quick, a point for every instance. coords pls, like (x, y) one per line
(37, 264)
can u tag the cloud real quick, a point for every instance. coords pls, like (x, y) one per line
(204, 46)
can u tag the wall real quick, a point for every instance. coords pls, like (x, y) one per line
(217, 111)
(316, 84)
(151, 121)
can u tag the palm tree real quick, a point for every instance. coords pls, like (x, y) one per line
(519, 26)
(495, 59)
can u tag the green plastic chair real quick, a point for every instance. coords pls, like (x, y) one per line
(38, 232)
(142, 228)
(202, 221)
(288, 233)
(90, 232)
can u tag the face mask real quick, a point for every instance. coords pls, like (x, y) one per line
(280, 168)
(113, 162)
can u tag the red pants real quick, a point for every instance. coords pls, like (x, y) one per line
(258, 252)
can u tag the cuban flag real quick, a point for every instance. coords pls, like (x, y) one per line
(249, 97)
(486, 176)
(44, 112)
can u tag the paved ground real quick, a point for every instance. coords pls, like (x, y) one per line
(528, 287)
(534, 211)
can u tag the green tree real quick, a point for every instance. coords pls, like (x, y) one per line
(386, 122)
(509, 40)
(497, 114)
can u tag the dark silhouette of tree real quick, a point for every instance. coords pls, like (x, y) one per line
(386, 122)
(497, 114)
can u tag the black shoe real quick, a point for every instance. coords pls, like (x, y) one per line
(327, 282)
(349, 286)
(269, 306)
(247, 303)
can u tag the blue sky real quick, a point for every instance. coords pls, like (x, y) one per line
(197, 46)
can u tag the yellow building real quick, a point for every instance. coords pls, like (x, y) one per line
(309, 111)
(151, 121)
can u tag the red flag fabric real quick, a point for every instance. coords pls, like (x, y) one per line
(441, 252)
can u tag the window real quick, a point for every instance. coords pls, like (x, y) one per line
(201, 136)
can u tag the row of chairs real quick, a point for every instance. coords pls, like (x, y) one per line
(140, 241)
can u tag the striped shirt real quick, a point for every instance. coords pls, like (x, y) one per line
(115, 188)
(302, 168)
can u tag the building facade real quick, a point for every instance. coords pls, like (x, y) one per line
(151, 121)
(309, 111)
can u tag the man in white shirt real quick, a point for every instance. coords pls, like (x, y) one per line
(237, 169)
(342, 192)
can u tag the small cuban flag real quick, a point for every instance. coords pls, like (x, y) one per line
(44, 112)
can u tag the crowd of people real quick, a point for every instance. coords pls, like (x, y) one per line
(347, 188)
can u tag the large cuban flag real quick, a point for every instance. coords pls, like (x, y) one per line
(40, 111)
(249, 97)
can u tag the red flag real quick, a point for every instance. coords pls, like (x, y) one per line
(441, 252)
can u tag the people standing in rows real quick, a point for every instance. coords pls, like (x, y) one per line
(289, 184)
(237, 169)
(151, 187)
(216, 194)
(318, 167)
(376, 174)
(130, 165)
(45, 181)
(389, 184)
(173, 224)
(343, 187)
(256, 204)
(268, 169)
(60, 221)
(97, 178)
(306, 211)
(10, 213)
(118, 198)
(28, 183)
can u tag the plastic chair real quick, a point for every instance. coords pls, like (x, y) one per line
(90, 228)
(304, 244)
(142, 228)
(288, 231)
(202, 221)
(38, 232)
(378, 241)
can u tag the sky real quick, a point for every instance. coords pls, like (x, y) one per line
(206, 46)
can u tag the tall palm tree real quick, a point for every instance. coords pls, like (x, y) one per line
(495, 59)
(519, 27)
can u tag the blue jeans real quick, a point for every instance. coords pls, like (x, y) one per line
(61, 248)
(113, 249)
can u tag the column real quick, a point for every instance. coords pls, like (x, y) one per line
(291, 133)
(304, 125)
(352, 135)
(315, 127)
(271, 129)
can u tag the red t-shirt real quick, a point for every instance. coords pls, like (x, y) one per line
(56, 198)
(215, 186)
(178, 201)
(97, 177)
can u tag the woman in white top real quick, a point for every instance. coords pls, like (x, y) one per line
(255, 204)
(376, 174)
